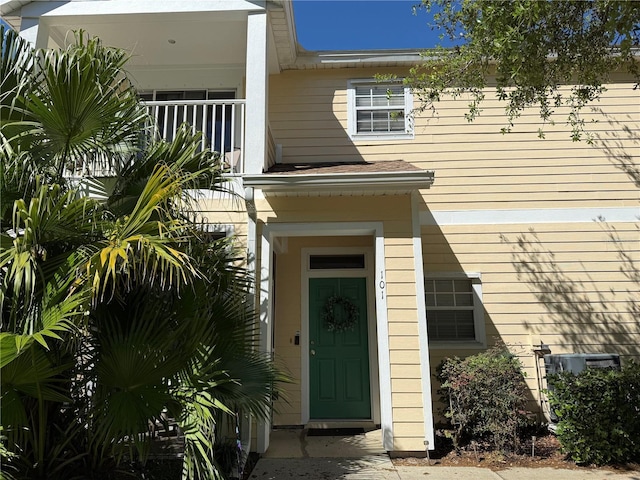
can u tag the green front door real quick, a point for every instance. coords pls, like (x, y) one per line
(338, 360)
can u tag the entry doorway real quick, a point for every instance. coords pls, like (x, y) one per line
(339, 386)
(339, 342)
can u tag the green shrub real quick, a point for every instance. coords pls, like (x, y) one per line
(486, 396)
(598, 414)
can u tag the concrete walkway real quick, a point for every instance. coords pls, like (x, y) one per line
(293, 454)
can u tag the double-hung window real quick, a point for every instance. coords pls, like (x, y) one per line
(379, 110)
(454, 309)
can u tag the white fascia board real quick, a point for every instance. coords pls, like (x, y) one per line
(363, 57)
(293, 34)
(334, 181)
(127, 7)
(8, 7)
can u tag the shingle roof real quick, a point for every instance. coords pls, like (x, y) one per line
(341, 178)
(341, 167)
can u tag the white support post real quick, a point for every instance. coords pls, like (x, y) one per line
(34, 32)
(384, 359)
(266, 323)
(257, 77)
(255, 154)
(427, 401)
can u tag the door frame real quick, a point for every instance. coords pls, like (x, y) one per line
(368, 273)
(269, 236)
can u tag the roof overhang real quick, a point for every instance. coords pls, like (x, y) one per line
(352, 59)
(378, 183)
(67, 15)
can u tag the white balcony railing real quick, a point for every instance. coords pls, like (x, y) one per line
(221, 122)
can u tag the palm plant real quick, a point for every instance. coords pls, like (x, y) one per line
(62, 108)
(115, 313)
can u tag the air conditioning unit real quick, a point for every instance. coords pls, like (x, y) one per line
(576, 363)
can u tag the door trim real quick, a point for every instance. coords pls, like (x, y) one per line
(368, 273)
(268, 235)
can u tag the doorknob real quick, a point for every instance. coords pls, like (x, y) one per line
(313, 352)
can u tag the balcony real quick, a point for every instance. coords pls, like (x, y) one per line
(221, 122)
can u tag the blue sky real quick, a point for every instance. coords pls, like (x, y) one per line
(361, 25)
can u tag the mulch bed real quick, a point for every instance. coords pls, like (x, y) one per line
(545, 453)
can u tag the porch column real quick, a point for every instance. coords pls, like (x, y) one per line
(256, 93)
(34, 32)
(427, 401)
(33, 28)
(265, 287)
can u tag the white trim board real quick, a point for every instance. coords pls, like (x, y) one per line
(127, 7)
(425, 368)
(529, 216)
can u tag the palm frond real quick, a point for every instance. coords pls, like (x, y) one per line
(113, 312)
(17, 77)
(141, 246)
(36, 375)
(40, 248)
(191, 166)
(86, 106)
(136, 354)
(53, 320)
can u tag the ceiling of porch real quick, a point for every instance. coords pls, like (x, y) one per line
(202, 38)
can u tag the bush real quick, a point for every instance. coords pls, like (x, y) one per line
(487, 395)
(598, 414)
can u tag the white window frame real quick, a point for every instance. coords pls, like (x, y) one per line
(352, 123)
(227, 229)
(220, 230)
(480, 340)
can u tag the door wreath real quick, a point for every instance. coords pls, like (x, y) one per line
(340, 323)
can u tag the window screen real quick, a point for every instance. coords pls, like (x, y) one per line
(450, 309)
(380, 109)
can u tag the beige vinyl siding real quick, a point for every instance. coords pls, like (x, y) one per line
(477, 168)
(583, 255)
(226, 212)
(585, 260)
(404, 344)
(308, 116)
(474, 163)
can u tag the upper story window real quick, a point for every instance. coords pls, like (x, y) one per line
(379, 110)
(454, 309)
